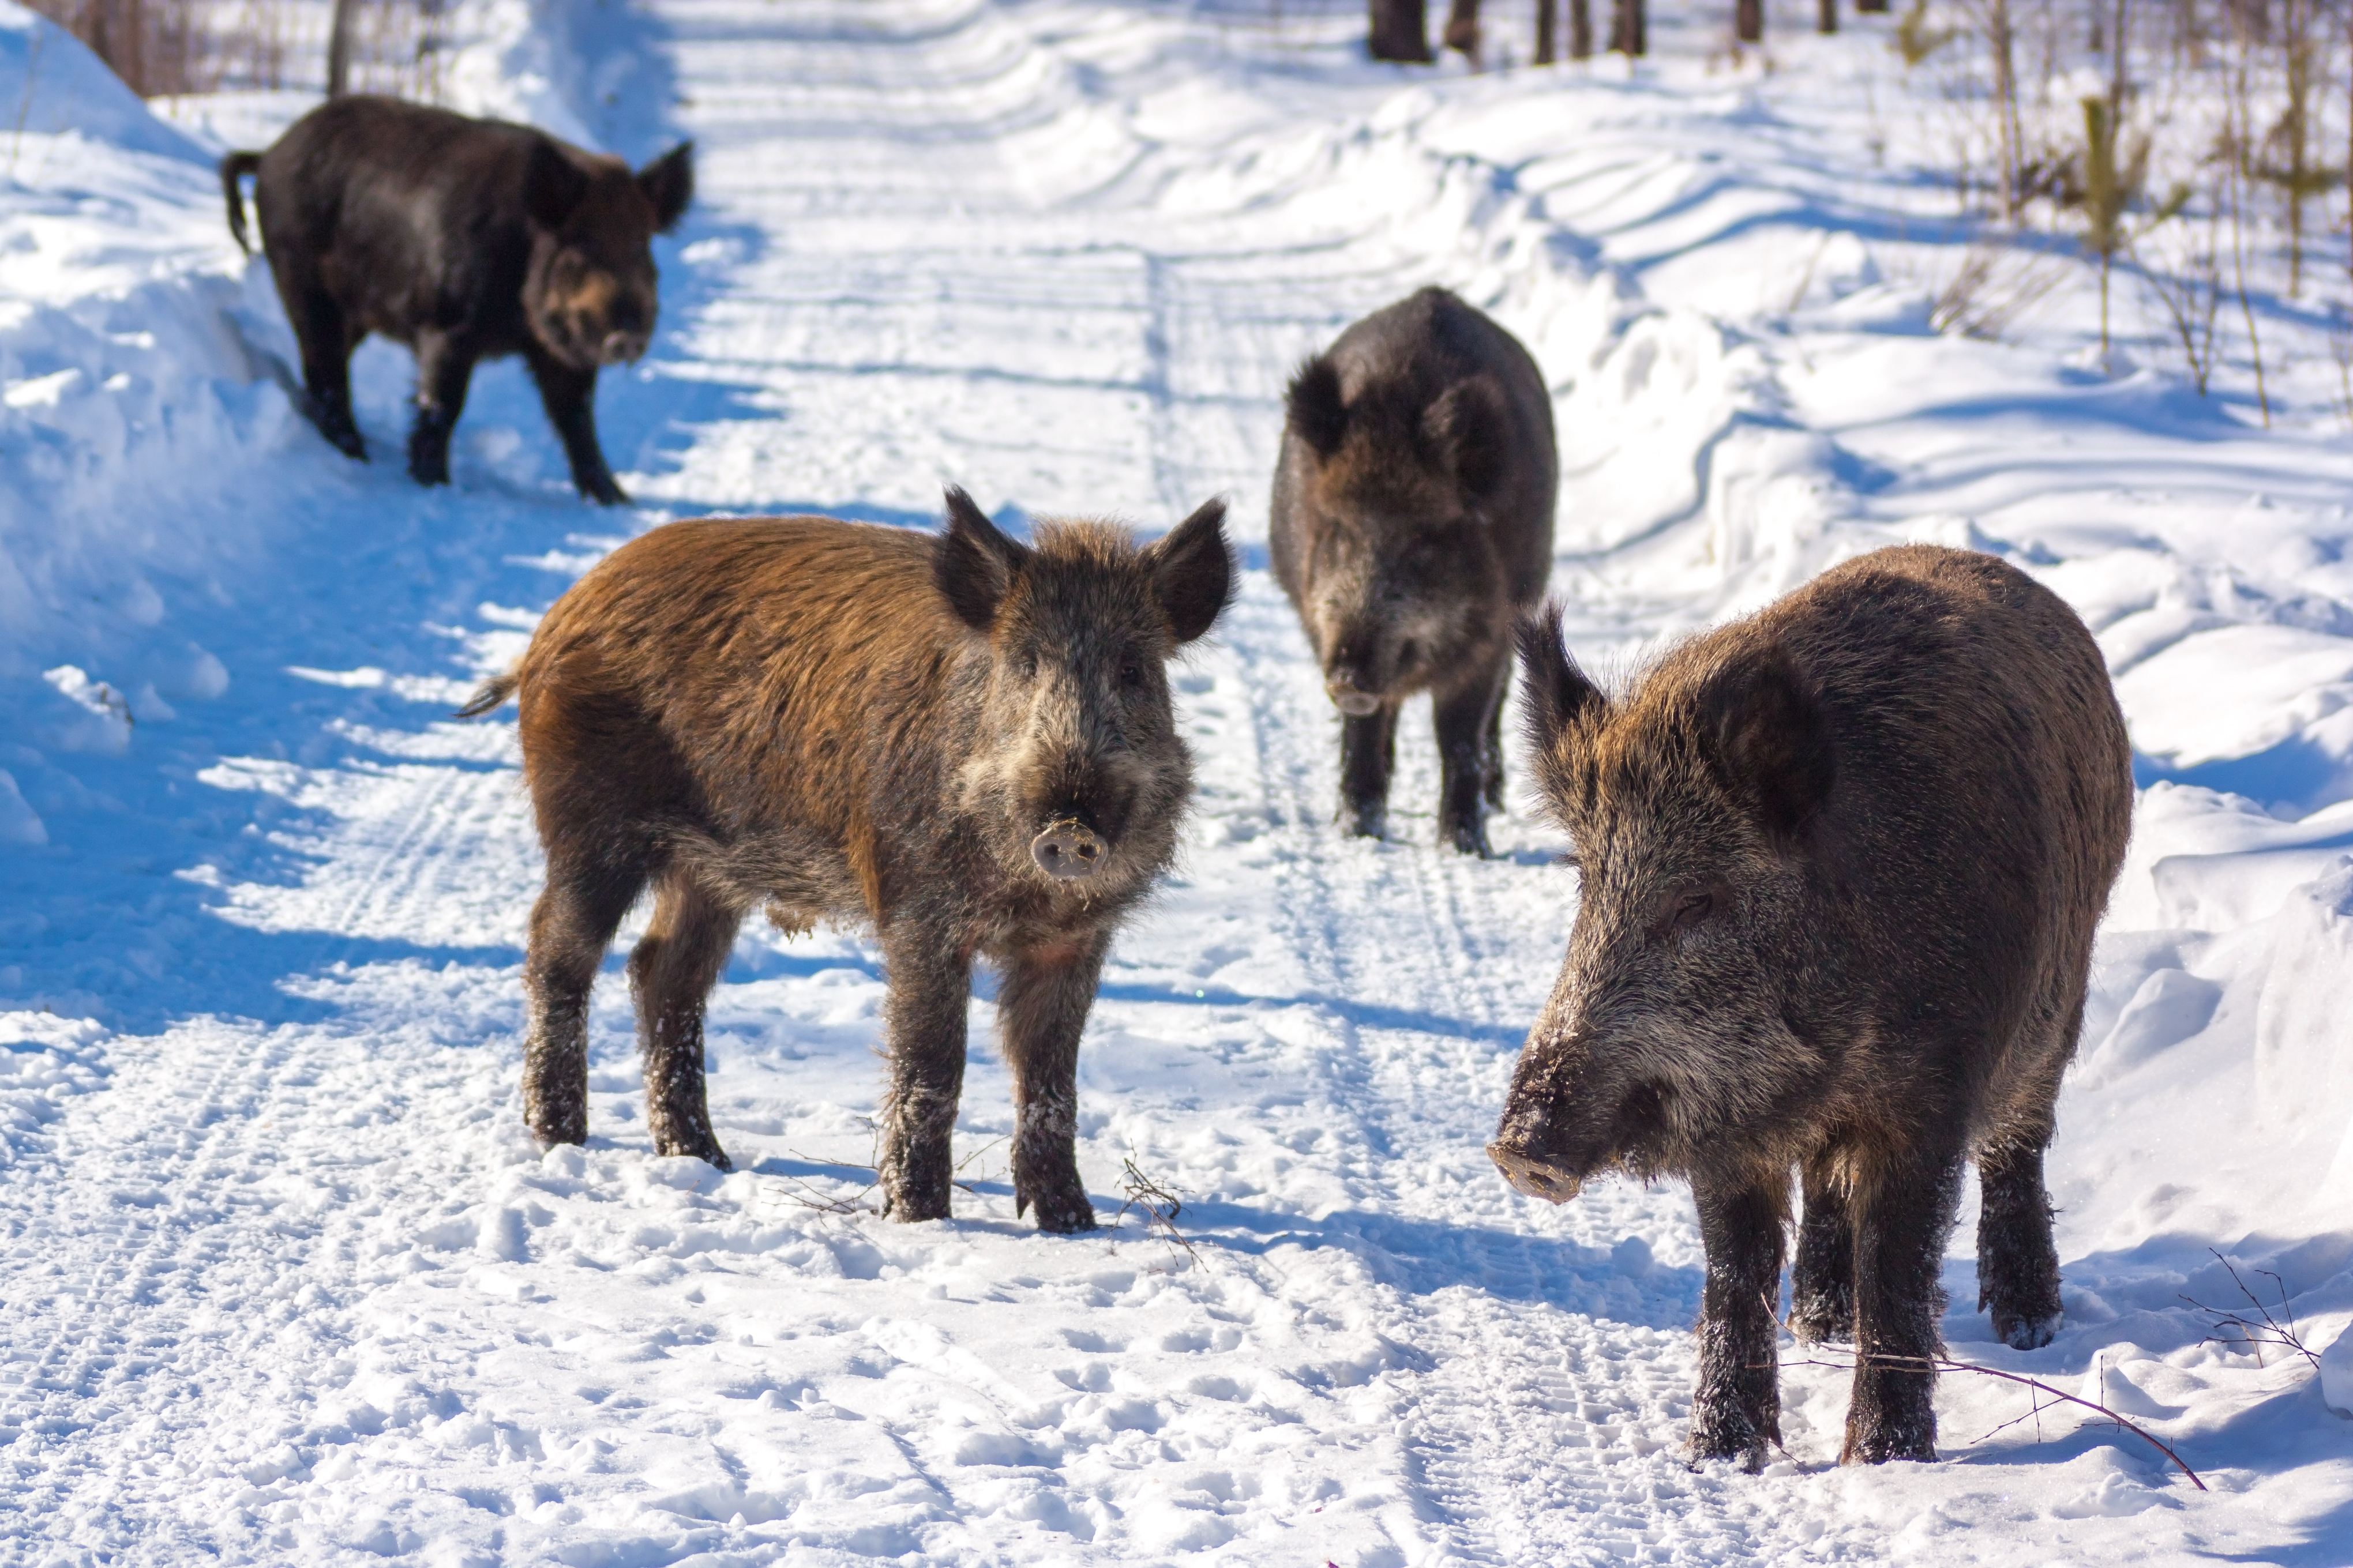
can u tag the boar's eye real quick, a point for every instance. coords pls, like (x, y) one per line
(1685, 908)
(1130, 672)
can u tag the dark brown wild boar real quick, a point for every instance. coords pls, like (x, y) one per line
(1841, 864)
(465, 240)
(962, 742)
(1411, 527)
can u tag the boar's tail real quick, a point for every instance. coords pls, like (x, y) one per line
(493, 693)
(233, 168)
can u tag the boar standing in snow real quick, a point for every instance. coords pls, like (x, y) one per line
(1841, 864)
(963, 741)
(465, 240)
(1412, 525)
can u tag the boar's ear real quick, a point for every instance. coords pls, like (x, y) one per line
(552, 185)
(668, 183)
(1466, 425)
(975, 564)
(1554, 693)
(1313, 406)
(1768, 737)
(1193, 572)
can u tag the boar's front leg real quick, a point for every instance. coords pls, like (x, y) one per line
(1042, 1011)
(1900, 1225)
(569, 396)
(674, 969)
(1463, 719)
(1738, 1409)
(1367, 754)
(931, 982)
(445, 368)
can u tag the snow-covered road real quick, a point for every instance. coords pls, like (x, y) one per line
(285, 1280)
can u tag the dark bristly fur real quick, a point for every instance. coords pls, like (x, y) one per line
(465, 240)
(962, 742)
(1412, 524)
(1842, 867)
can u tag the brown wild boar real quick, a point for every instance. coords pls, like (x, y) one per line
(962, 742)
(1841, 863)
(465, 240)
(1411, 527)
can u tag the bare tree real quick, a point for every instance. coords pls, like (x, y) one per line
(1547, 27)
(1627, 30)
(339, 49)
(1400, 31)
(1748, 21)
(1826, 16)
(1461, 31)
(1580, 29)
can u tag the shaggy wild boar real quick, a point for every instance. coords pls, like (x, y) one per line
(963, 743)
(1412, 525)
(465, 240)
(1840, 866)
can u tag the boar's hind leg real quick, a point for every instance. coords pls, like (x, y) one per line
(326, 341)
(1738, 1409)
(570, 398)
(1367, 754)
(1822, 1284)
(445, 368)
(2018, 1262)
(931, 981)
(570, 927)
(1042, 1011)
(1464, 720)
(1901, 1221)
(673, 970)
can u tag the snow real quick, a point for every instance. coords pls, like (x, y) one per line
(285, 1280)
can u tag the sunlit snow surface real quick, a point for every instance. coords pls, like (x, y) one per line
(283, 1278)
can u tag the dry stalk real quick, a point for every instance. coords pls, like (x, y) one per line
(2232, 1328)
(1928, 1365)
(1159, 1206)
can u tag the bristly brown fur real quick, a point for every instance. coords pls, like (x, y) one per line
(1842, 863)
(837, 721)
(1412, 525)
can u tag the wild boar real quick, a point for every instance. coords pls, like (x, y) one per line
(1841, 864)
(1411, 527)
(465, 240)
(961, 741)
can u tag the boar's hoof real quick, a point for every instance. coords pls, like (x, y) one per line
(1533, 1176)
(1877, 1442)
(2028, 1334)
(602, 490)
(1745, 1447)
(1059, 1214)
(1067, 851)
(1367, 821)
(1471, 838)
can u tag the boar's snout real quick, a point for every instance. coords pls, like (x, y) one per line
(1350, 699)
(1067, 851)
(1532, 1173)
(624, 348)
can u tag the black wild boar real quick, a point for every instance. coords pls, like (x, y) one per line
(1841, 864)
(1412, 525)
(962, 742)
(466, 239)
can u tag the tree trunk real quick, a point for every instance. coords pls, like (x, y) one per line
(1873, 7)
(339, 49)
(1628, 27)
(1547, 26)
(1400, 31)
(1748, 21)
(1580, 29)
(1826, 16)
(2005, 103)
(1461, 31)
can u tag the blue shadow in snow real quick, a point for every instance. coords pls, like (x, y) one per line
(1361, 1015)
(2295, 774)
